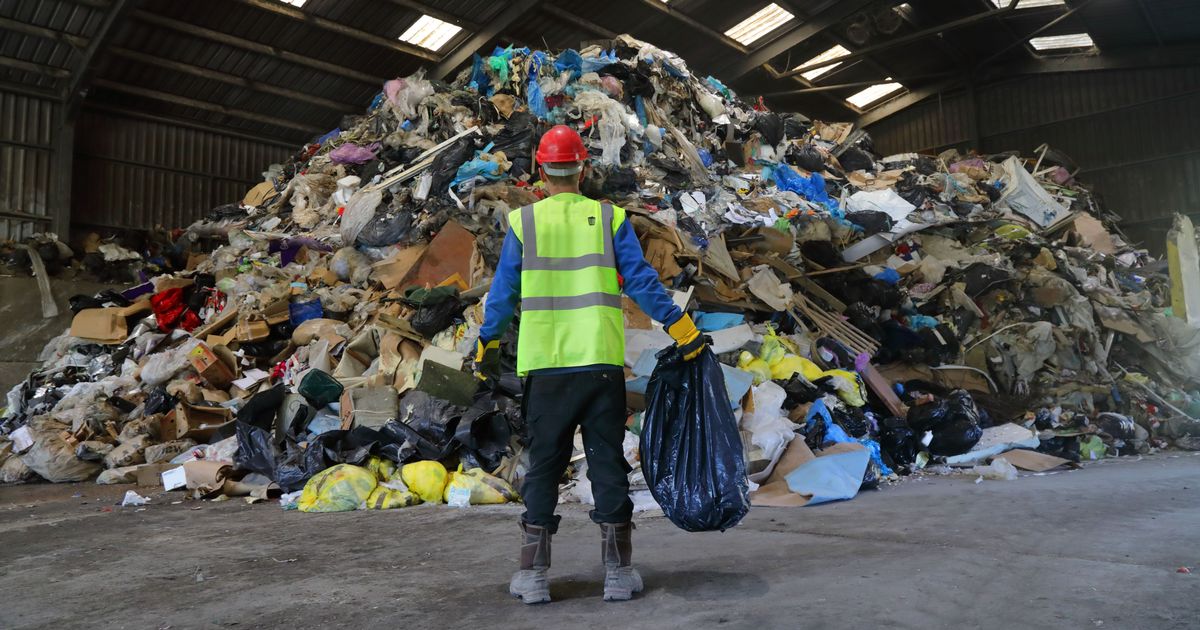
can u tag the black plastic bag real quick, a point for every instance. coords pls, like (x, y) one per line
(955, 438)
(871, 221)
(159, 401)
(432, 318)
(387, 228)
(899, 442)
(954, 421)
(808, 157)
(770, 125)
(855, 159)
(692, 454)
(799, 391)
(795, 126)
(255, 451)
(81, 302)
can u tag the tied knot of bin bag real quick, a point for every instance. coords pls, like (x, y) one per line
(691, 449)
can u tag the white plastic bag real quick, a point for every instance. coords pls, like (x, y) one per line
(769, 430)
(359, 213)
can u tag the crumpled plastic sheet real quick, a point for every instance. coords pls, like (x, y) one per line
(350, 153)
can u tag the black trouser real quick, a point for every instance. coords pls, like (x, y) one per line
(554, 405)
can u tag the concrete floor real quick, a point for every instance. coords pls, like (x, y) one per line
(1092, 548)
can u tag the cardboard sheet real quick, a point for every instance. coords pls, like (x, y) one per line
(776, 490)
(1034, 461)
(450, 252)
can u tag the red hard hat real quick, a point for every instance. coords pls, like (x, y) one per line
(561, 144)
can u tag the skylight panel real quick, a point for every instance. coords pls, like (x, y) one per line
(871, 94)
(1054, 42)
(832, 53)
(295, 3)
(756, 26)
(430, 32)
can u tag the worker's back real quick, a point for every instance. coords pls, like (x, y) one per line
(570, 295)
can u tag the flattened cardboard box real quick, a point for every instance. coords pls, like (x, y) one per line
(151, 474)
(106, 325)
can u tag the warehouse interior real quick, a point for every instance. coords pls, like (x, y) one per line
(884, 313)
(135, 114)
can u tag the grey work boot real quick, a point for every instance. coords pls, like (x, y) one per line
(530, 583)
(621, 580)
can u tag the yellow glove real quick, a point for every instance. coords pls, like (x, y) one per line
(486, 365)
(687, 337)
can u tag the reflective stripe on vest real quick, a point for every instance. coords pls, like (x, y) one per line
(570, 297)
(531, 261)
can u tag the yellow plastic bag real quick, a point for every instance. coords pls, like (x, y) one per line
(849, 387)
(425, 479)
(389, 495)
(384, 469)
(755, 366)
(476, 487)
(338, 489)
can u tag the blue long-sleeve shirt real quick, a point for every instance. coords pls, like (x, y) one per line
(641, 284)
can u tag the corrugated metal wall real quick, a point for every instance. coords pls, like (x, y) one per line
(1134, 133)
(25, 151)
(134, 173)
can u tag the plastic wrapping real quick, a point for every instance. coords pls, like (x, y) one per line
(359, 213)
(691, 449)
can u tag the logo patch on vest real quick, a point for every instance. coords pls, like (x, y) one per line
(591, 220)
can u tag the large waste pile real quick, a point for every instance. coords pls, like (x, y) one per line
(890, 313)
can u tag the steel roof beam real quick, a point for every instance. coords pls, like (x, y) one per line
(95, 4)
(288, 11)
(907, 39)
(511, 13)
(575, 20)
(190, 124)
(912, 97)
(29, 90)
(74, 41)
(1035, 32)
(254, 86)
(802, 33)
(36, 68)
(711, 33)
(259, 48)
(439, 14)
(184, 101)
(84, 67)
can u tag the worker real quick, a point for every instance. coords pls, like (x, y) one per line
(563, 259)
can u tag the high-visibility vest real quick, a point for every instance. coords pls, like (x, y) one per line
(570, 297)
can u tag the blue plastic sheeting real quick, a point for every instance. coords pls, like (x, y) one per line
(332, 134)
(833, 431)
(889, 275)
(605, 58)
(873, 448)
(712, 322)
(300, 312)
(479, 78)
(569, 59)
(811, 188)
(917, 322)
(706, 158)
(830, 477)
(533, 90)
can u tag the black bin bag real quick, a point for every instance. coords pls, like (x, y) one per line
(691, 450)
